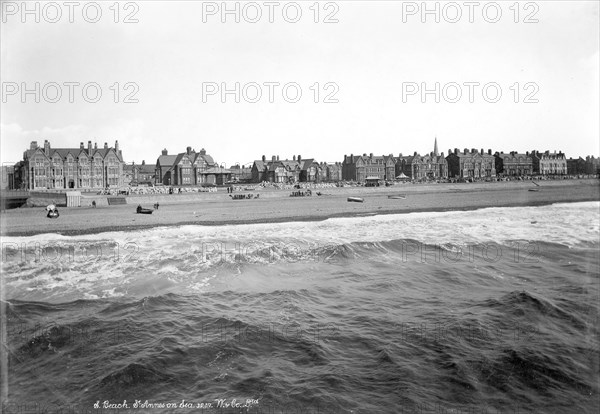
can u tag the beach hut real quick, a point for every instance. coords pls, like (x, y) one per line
(402, 177)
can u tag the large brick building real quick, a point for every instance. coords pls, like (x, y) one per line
(546, 163)
(368, 167)
(286, 171)
(190, 168)
(71, 168)
(514, 164)
(471, 164)
(422, 167)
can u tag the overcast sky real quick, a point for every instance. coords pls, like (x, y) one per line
(367, 59)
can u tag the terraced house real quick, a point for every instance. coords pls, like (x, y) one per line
(364, 168)
(514, 164)
(71, 168)
(190, 168)
(422, 167)
(471, 164)
(546, 163)
(286, 171)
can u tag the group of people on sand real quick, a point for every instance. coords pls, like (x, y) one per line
(52, 211)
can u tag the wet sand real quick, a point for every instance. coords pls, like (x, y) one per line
(277, 206)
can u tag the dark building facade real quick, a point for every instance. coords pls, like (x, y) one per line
(471, 164)
(513, 164)
(368, 167)
(286, 171)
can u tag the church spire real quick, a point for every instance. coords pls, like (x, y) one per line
(435, 148)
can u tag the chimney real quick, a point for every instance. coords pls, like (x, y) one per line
(466, 151)
(415, 154)
(351, 158)
(489, 152)
(371, 155)
(117, 146)
(482, 152)
(273, 158)
(442, 155)
(95, 145)
(473, 151)
(165, 152)
(299, 158)
(400, 155)
(264, 159)
(278, 158)
(143, 162)
(81, 145)
(527, 153)
(202, 151)
(89, 147)
(188, 150)
(33, 145)
(455, 151)
(46, 147)
(106, 145)
(294, 158)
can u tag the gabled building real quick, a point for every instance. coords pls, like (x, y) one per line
(513, 164)
(71, 168)
(331, 172)
(363, 168)
(189, 168)
(576, 166)
(471, 164)
(546, 163)
(422, 167)
(286, 171)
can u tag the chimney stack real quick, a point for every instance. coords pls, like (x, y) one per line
(294, 157)
(299, 158)
(278, 158)
(188, 150)
(489, 152)
(33, 145)
(473, 151)
(95, 145)
(351, 158)
(273, 158)
(466, 151)
(90, 147)
(371, 155)
(106, 145)
(455, 151)
(117, 146)
(46, 148)
(143, 162)
(165, 152)
(264, 159)
(81, 145)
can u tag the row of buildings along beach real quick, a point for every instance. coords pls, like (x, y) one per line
(90, 167)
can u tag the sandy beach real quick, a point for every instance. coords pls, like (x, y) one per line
(277, 206)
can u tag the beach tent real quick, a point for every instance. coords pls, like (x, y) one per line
(402, 176)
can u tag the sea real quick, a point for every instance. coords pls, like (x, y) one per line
(486, 311)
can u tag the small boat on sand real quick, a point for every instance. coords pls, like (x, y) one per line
(397, 197)
(534, 189)
(141, 210)
(355, 199)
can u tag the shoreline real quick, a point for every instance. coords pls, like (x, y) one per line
(218, 209)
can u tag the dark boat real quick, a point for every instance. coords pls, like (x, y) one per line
(355, 199)
(141, 210)
(397, 197)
